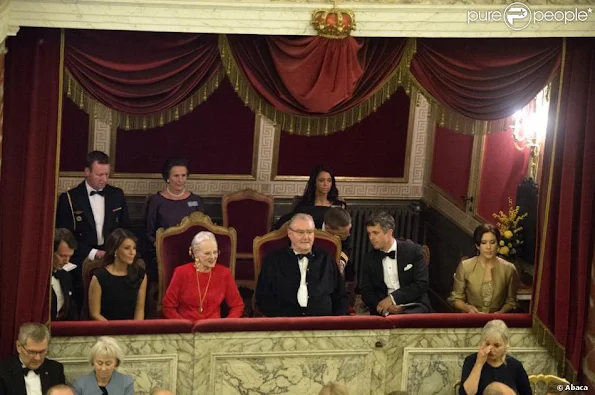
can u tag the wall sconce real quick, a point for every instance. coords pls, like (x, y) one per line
(528, 131)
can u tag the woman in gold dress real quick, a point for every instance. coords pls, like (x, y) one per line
(485, 283)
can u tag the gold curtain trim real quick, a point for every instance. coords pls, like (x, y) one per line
(555, 349)
(321, 125)
(86, 102)
(457, 122)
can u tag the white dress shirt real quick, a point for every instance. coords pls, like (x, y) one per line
(391, 272)
(302, 294)
(32, 382)
(98, 207)
(59, 295)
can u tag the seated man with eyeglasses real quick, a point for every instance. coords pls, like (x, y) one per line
(300, 280)
(30, 372)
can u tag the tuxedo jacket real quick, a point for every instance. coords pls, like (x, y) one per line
(279, 280)
(12, 380)
(413, 277)
(69, 310)
(80, 219)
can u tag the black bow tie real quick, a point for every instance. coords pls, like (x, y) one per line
(102, 193)
(390, 254)
(308, 255)
(26, 371)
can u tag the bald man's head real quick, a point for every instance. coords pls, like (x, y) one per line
(60, 389)
(159, 391)
(497, 388)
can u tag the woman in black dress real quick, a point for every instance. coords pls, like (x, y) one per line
(492, 364)
(320, 194)
(117, 290)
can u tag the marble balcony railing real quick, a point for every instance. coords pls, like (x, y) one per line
(417, 354)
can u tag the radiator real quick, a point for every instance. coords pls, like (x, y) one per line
(407, 225)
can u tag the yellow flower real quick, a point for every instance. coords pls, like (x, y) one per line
(508, 234)
(503, 250)
(509, 245)
(501, 242)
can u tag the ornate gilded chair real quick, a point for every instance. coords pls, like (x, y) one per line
(251, 214)
(546, 383)
(173, 243)
(273, 241)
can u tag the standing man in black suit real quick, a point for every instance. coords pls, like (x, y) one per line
(300, 280)
(395, 275)
(30, 373)
(91, 211)
(63, 307)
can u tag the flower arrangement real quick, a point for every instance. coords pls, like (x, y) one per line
(508, 225)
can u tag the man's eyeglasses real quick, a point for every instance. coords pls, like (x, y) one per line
(303, 232)
(34, 353)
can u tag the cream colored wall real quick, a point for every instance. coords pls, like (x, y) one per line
(426, 18)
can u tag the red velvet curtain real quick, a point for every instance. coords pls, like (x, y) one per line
(315, 75)
(28, 188)
(140, 73)
(485, 79)
(567, 205)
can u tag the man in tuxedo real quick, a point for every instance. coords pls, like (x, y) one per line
(30, 373)
(91, 211)
(300, 280)
(63, 307)
(337, 221)
(394, 278)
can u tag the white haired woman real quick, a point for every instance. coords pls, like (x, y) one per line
(197, 289)
(106, 356)
(491, 363)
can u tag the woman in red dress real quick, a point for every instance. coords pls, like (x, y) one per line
(197, 289)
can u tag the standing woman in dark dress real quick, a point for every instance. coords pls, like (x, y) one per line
(169, 206)
(321, 193)
(117, 290)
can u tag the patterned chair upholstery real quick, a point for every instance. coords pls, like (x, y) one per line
(173, 247)
(273, 241)
(251, 214)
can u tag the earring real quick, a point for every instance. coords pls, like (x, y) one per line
(190, 252)
(167, 181)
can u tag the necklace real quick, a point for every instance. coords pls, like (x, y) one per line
(176, 195)
(201, 298)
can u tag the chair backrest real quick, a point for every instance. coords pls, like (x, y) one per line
(546, 383)
(273, 241)
(251, 214)
(173, 246)
(89, 268)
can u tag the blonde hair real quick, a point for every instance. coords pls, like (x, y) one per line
(199, 238)
(109, 347)
(496, 329)
(333, 388)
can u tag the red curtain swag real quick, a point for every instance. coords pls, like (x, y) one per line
(485, 79)
(141, 73)
(315, 76)
(567, 209)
